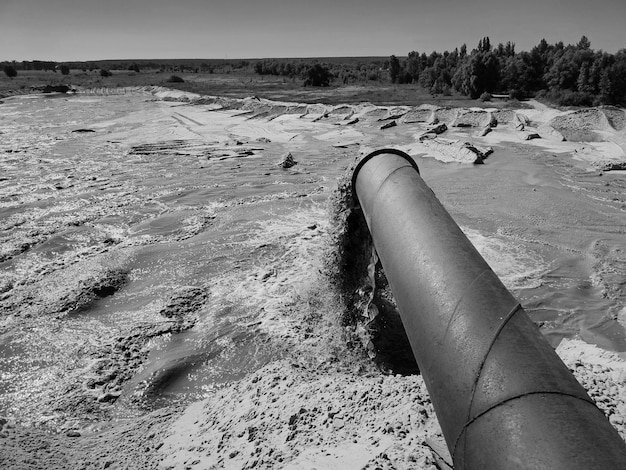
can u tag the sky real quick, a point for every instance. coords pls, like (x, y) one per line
(81, 30)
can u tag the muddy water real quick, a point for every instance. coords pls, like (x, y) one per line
(165, 252)
(555, 235)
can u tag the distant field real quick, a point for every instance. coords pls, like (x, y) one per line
(244, 84)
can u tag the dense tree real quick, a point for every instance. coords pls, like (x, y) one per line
(484, 45)
(478, 74)
(567, 74)
(318, 75)
(413, 66)
(10, 71)
(584, 43)
(394, 69)
(583, 83)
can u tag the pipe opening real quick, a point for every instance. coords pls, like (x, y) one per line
(371, 314)
(394, 353)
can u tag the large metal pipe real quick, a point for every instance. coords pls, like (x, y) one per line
(503, 397)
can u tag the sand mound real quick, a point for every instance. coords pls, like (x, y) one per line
(474, 119)
(292, 416)
(615, 116)
(262, 109)
(106, 91)
(372, 116)
(341, 111)
(269, 112)
(447, 115)
(166, 94)
(289, 416)
(504, 115)
(337, 114)
(316, 111)
(591, 119)
(546, 131)
(395, 113)
(418, 115)
(455, 151)
(603, 374)
(296, 109)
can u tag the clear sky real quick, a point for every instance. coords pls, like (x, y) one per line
(65, 30)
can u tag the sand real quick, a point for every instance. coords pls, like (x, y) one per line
(291, 416)
(325, 404)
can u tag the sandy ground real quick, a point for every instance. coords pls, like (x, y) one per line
(336, 410)
(291, 416)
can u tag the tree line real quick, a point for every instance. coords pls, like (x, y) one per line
(170, 65)
(572, 74)
(343, 70)
(568, 75)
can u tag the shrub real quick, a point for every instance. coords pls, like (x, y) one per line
(10, 71)
(567, 97)
(318, 75)
(515, 94)
(175, 79)
(105, 73)
(65, 70)
(576, 98)
(485, 96)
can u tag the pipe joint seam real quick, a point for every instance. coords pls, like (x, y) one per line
(503, 323)
(514, 398)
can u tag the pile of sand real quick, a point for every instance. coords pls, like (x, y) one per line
(603, 374)
(504, 115)
(455, 150)
(446, 115)
(615, 116)
(472, 118)
(423, 113)
(546, 131)
(418, 115)
(396, 112)
(590, 119)
(289, 416)
(292, 416)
